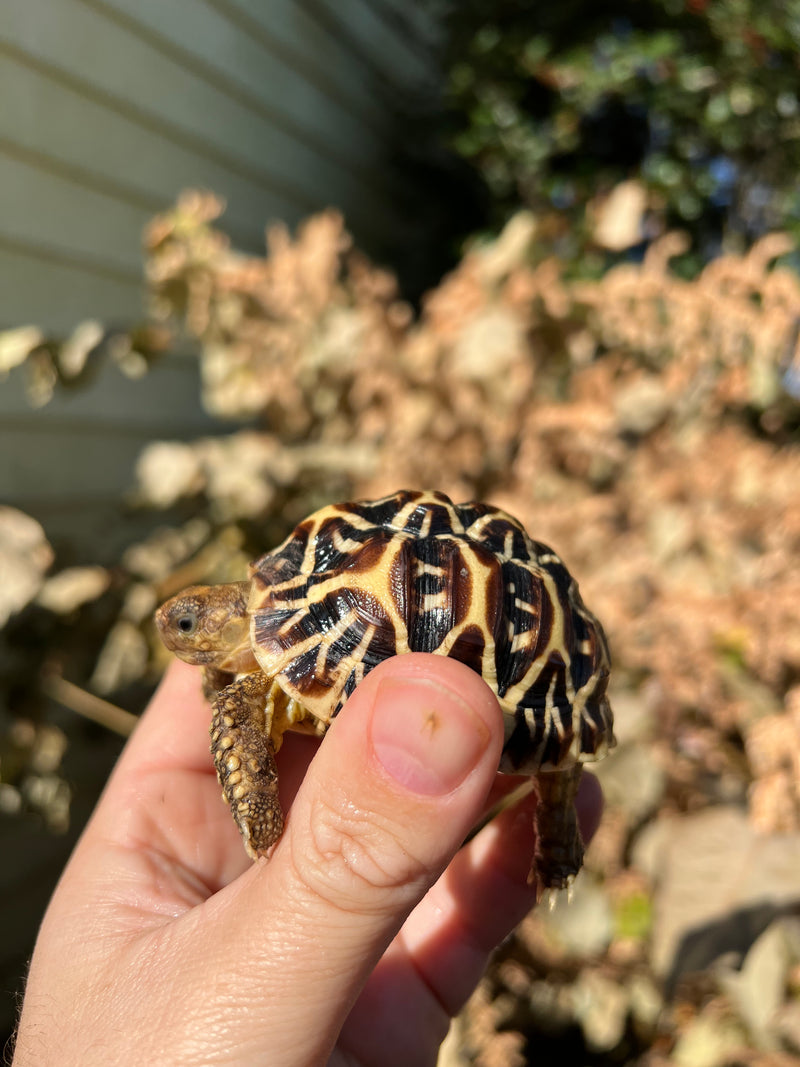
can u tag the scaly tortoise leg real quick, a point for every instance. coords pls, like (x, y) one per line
(244, 755)
(559, 848)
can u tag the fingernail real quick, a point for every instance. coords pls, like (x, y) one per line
(425, 736)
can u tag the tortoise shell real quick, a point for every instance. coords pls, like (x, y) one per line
(358, 582)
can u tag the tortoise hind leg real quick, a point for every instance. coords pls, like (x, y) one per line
(559, 848)
(244, 756)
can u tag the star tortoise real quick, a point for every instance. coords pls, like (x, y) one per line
(358, 582)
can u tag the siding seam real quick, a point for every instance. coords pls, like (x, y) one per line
(88, 264)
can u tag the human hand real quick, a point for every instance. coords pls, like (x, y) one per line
(354, 943)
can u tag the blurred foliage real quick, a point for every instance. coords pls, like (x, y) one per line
(52, 363)
(696, 99)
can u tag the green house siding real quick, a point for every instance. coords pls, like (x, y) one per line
(108, 109)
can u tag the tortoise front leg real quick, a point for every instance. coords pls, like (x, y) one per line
(559, 848)
(244, 756)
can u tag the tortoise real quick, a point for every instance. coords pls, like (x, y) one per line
(360, 581)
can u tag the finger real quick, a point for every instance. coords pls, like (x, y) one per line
(445, 945)
(481, 897)
(442, 950)
(393, 790)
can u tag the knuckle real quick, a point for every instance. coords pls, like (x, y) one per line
(353, 858)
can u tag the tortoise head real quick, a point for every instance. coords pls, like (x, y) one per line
(209, 625)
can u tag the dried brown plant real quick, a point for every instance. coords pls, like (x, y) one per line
(641, 423)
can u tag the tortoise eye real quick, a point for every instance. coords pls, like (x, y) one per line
(187, 623)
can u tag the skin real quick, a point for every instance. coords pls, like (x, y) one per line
(357, 941)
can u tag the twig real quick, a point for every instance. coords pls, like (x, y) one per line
(90, 706)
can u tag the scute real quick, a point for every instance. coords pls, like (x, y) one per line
(436, 589)
(361, 581)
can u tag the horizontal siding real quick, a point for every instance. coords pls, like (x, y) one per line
(202, 39)
(56, 292)
(59, 128)
(288, 32)
(96, 461)
(161, 402)
(415, 25)
(402, 66)
(84, 444)
(110, 109)
(101, 57)
(43, 211)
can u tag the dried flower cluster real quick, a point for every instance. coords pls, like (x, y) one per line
(644, 425)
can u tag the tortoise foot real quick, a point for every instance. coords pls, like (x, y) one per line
(244, 757)
(559, 848)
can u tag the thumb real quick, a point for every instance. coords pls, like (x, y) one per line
(400, 779)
